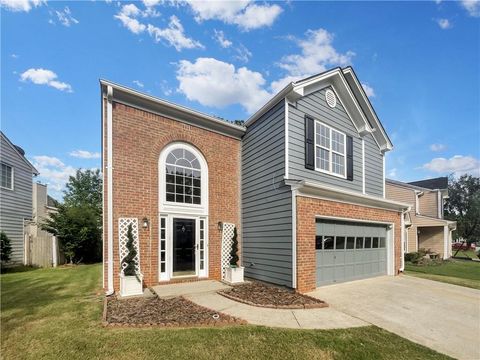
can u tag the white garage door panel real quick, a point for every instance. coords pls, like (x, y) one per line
(349, 251)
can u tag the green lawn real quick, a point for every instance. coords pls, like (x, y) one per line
(465, 253)
(457, 272)
(56, 314)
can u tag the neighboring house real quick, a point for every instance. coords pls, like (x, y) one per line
(425, 227)
(15, 194)
(303, 182)
(41, 248)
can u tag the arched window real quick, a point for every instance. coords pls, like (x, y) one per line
(183, 177)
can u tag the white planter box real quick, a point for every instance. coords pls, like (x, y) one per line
(130, 285)
(234, 275)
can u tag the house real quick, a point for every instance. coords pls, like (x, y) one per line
(425, 226)
(15, 194)
(41, 247)
(303, 183)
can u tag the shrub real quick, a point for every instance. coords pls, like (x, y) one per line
(129, 259)
(5, 247)
(233, 252)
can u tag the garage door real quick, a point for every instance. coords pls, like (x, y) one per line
(349, 251)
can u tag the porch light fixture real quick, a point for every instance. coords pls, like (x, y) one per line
(145, 223)
(220, 226)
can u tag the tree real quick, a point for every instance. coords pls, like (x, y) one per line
(233, 253)
(5, 247)
(78, 221)
(463, 206)
(129, 259)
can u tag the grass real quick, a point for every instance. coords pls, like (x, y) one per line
(465, 253)
(457, 272)
(56, 314)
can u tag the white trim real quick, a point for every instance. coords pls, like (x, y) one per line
(383, 175)
(181, 208)
(439, 204)
(363, 166)
(286, 138)
(402, 241)
(445, 242)
(406, 240)
(294, 238)
(390, 236)
(12, 177)
(330, 150)
(109, 187)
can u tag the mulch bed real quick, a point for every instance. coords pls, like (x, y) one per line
(270, 296)
(153, 311)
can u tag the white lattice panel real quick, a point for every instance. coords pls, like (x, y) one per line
(123, 224)
(227, 235)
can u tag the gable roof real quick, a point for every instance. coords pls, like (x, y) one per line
(348, 88)
(440, 183)
(15, 148)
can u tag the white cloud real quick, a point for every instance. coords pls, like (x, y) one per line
(243, 54)
(65, 17)
(174, 35)
(219, 37)
(392, 173)
(126, 16)
(438, 147)
(151, 3)
(218, 84)
(472, 7)
(457, 164)
(53, 172)
(138, 83)
(20, 5)
(14, 56)
(444, 24)
(368, 90)
(245, 14)
(45, 77)
(84, 154)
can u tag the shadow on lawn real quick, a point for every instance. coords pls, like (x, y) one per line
(16, 269)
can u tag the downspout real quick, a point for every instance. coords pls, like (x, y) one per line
(109, 189)
(294, 238)
(402, 241)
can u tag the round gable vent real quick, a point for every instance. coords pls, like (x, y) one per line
(331, 98)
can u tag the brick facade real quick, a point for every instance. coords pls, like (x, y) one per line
(308, 208)
(138, 139)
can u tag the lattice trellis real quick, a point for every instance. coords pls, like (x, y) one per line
(123, 224)
(227, 235)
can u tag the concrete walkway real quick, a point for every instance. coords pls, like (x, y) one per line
(441, 316)
(204, 293)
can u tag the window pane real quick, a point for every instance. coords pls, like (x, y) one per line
(350, 242)
(359, 243)
(318, 242)
(162, 256)
(375, 243)
(179, 198)
(382, 242)
(338, 142)
(323, 161)
(162, 222)
(182, 172)
(340, 243)
(328, 242)
(188, 199)
(324, 136)
(6, 176)
(368, 243)
(196, 200)
(170, 197)
(338, 164)
(162, 267)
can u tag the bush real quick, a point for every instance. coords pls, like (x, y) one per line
(418, 257)
(5, 247)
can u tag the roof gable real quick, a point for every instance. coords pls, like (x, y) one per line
(15, 150)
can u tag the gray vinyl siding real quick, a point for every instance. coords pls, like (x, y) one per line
(315, 106)
(373, 167)
(266, 201)
(16, 204)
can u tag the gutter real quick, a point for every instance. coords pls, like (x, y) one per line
(110, 189)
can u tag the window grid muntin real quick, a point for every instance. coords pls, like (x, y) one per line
(163, 243)
(6, 177)
(330, 242)
(183, 183)
(322, 134)
(202, 244)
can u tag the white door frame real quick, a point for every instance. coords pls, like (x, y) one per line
(168, 274)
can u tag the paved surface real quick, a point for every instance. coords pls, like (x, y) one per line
(324, 318)
(188, 288)
(441, 316)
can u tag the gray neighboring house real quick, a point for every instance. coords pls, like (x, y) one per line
(15, 194)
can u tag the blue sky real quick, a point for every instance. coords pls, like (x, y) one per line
(419, 62)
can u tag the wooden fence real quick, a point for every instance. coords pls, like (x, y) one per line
(42, 251)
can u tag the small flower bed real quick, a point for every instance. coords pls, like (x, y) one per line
(264, 295)
(153, 311)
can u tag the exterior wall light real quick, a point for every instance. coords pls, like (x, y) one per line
(145, 223)
(220, 226)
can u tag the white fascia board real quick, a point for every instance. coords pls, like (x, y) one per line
(280, 95)
(286, 138)
(208, 121)
(327, 192)
(109, 165)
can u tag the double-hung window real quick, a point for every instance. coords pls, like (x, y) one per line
(6, 176)
(330, 148)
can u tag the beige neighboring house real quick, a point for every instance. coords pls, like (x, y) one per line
(41, 247)
(424, 225)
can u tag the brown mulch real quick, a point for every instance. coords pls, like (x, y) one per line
(265, 295)
(175, 312)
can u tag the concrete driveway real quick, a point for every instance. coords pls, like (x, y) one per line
(443, 317)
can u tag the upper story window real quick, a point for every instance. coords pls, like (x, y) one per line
(183, 177)
(6, 176)
(330, 150)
